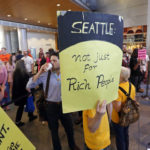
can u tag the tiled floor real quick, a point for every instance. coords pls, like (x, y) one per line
(39, 134)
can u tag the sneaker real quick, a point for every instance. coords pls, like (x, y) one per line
(32, 118)
(20, 124)
(140, 90)
(43, 122)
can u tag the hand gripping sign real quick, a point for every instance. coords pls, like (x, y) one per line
(90, 58)
(11, 138)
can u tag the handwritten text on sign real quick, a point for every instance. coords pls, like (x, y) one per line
(102, 28)
(13, 145)
(11, 137)
(90, 58)
(74, 84)
(93, 73)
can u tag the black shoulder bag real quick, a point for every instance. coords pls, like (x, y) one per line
(130, 110)
(41, 103)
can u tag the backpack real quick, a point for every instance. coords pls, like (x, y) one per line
(130, 110)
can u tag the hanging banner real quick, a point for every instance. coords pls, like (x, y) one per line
(11, 138)
(90, 47)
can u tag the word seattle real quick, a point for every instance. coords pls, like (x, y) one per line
(102, 28)
(76, 85)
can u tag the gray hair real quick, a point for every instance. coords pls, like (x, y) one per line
(125, 74)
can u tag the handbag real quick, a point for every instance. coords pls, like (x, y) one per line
(41, 103)
(130, 110)
(30, 105)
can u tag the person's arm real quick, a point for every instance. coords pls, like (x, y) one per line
(5, 75)
(137, 64)
(32, 66)
(117, 105)
(38, 78)
(41, 71)
(109, 110)
(93, 123)
(146, 73)
(7, 67)
(2, 89)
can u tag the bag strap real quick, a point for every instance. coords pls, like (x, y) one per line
(128, 95)
(47, 83)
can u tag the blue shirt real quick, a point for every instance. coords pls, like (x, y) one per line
(54, 91)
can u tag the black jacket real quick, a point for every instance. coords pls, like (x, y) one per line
(19, 92)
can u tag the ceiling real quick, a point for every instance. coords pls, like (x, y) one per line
(35, 12)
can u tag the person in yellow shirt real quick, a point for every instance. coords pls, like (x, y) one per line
(122, 137)
(96, 128)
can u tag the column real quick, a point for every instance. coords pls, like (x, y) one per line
(22, 38)
(2, 37)
(8, 41)
(14, 40)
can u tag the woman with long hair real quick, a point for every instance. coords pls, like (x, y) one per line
(40, 61)
(19, 92)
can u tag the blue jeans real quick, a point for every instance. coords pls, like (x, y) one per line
(6, 99)
(86, 148)
(122, 137)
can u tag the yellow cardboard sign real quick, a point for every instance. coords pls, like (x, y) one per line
(11, 138)
(90, 71)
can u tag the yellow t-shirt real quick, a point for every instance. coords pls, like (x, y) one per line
(122, 98)
(101, 137)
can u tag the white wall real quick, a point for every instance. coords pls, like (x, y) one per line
(40, 40)
(134, 12)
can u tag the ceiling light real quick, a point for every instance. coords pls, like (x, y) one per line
(58, 5)
(8, 15)
(38, 21)
(69, 9)
(25, 18)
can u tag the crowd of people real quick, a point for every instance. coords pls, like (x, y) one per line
(138, 67)
(18, 79)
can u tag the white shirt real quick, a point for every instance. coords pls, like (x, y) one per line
(28, 63)
(143, 66)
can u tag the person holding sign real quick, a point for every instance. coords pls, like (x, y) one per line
(136, 73)
(54, 102)
(96, 128)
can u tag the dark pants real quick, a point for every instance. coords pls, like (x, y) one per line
(86, 148)
(136, 81)
(54, 113)
(80, 113)
(20, 112)
(122, 137)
